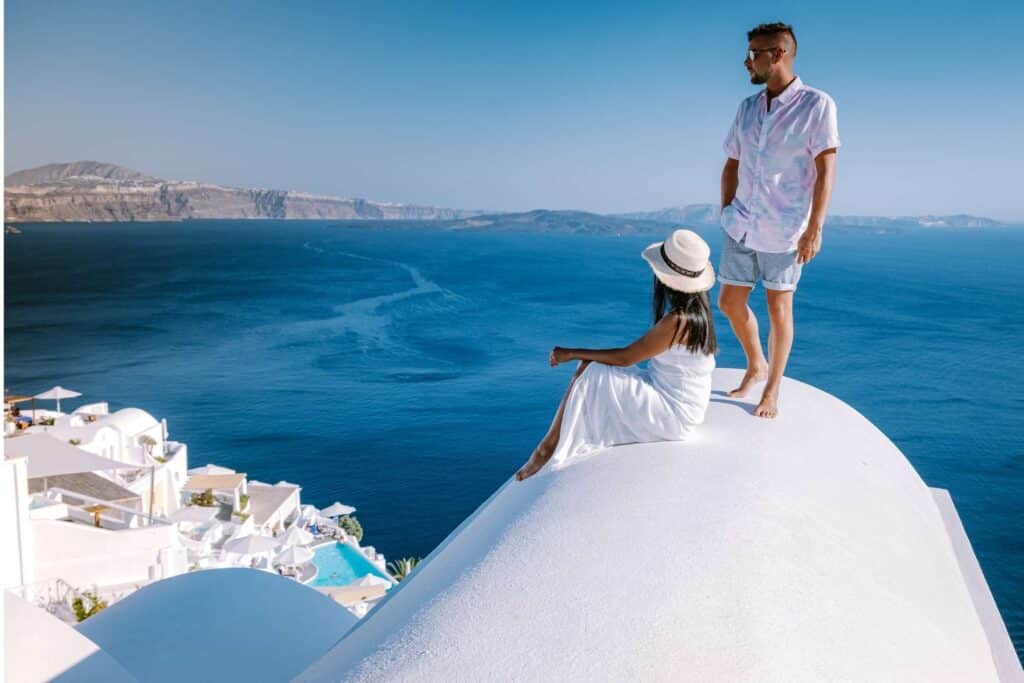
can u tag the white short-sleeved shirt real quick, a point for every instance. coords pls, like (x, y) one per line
(776, 151)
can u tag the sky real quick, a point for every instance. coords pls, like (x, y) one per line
(599, 106)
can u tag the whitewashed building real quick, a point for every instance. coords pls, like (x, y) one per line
(131, 436)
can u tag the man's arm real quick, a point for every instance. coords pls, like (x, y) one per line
(730, 180)
(810, 241)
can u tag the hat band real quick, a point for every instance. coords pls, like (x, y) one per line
(679, 269)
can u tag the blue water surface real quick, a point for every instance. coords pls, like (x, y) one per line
(339, 564)
(404, 371)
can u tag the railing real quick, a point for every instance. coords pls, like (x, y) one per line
(127, 513)
(57, 596)
(173, 448)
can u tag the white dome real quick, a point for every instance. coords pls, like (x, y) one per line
(131, 421)
(40, 647)
(219, 625)
(800, 549)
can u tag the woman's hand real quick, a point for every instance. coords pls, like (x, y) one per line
(559, 356)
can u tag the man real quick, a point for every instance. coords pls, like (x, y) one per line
(776, 186)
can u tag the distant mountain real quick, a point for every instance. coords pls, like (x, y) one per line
(699, 214)
(548, 221)
(95, 191)
(959, 220)
(54, 173)
(707, 214)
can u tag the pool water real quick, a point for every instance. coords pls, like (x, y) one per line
(339, 564)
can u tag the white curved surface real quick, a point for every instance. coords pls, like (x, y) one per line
(131, 421)
(219, 625)
(800, 549)
(40, 647)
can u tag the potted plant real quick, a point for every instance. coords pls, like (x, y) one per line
(402, 568)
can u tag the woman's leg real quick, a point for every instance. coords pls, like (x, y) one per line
(546, 448)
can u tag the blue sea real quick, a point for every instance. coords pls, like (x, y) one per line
(404, 371)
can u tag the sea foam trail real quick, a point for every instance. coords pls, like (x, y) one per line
(364, 317)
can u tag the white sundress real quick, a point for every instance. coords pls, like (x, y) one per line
(611, 405)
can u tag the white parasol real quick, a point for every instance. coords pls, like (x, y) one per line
(295, 536)
(293, 556)
(337, 509)
(250, 545)
(372, 580)
(57, 393)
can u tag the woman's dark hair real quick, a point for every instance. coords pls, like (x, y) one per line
(694, 327)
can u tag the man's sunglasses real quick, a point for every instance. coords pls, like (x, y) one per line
(752, 54)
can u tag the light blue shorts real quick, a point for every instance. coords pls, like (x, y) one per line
(742, 266)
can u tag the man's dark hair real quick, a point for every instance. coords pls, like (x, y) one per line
(771, 31)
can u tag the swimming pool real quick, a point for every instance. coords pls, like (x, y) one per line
(339, 564)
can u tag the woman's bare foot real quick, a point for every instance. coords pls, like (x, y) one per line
(755, 373)
(769, 406)
(540, 457)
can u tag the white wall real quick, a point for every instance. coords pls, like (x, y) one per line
(84, 556)
(170, 477)
(276, 520)
(106, 442)
(16, 566)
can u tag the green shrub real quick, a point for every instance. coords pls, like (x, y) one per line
(75, 442)
(403, 567)
(79, 605)
(204, 499)
(243, 502)
(351, 526)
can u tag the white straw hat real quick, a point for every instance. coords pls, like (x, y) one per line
(682, 262)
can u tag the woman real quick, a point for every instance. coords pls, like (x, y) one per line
(608, 402)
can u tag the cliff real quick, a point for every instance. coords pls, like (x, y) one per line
(93, 191)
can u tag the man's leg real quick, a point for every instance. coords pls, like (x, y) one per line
(738, 271)
(780, 312)
(732, 300)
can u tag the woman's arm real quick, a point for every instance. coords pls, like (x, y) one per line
(654, 341)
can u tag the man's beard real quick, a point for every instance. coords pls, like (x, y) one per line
(758, 79)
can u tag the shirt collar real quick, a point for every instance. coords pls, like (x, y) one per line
(787, 95)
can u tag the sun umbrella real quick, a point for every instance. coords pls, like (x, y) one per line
(210, 469)
(351, 595)
(250, 545)
(337, 510)
(295, 536)
(294, 555)
(57, 393)
(372, 580)
(193, 514)
(325, 522)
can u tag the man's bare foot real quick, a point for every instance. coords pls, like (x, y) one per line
(769, 406)
(755, 373)
(540, 457)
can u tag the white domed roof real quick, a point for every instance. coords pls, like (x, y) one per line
(131, 421)
(219, 625)
(40, 647)
(805, 548)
